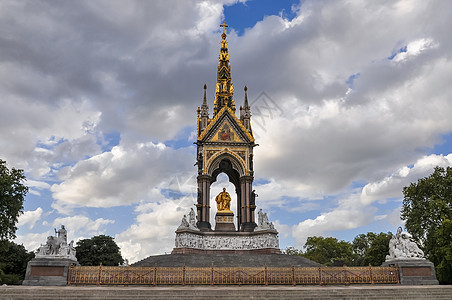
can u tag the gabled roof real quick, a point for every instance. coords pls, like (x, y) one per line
(223, 121)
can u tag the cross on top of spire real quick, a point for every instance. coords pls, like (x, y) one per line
(224, 25)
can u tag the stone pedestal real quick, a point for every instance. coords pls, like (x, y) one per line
(48, 271)
(224, 221)
(414, 271)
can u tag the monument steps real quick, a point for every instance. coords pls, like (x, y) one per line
(228, 292)
(225, 260)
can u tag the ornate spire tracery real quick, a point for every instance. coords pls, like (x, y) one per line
(224, 87)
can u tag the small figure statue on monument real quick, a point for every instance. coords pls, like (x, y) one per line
(223, 201)
(61, 235)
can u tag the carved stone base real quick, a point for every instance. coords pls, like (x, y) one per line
(414, 271)
(224, 221)
(220, 252)
(199, 241)
(48, 271)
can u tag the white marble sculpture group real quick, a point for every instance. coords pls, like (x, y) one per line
(188, 222)
(57, 246)
(262, 222)
(402, 247)
(189, 239)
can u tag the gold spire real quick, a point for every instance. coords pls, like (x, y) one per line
(224, 88)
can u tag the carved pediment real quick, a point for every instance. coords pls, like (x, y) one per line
(226, 127)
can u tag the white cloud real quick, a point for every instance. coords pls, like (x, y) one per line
(31, 241)
(125, 175)
(79, 226)
(153, 232)
(30, 217)
(391, 186)
(415, 48)
(348, 215)
(38, 184)
(65, 121)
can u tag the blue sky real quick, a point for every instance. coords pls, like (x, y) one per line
(99, 108)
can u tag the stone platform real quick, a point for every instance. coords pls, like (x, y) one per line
(225, 260)
(226, 292)
(414, 271)
(48, 271)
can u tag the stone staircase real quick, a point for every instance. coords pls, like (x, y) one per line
(226, 260)
(228, 292)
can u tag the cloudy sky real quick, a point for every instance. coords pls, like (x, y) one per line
(351, 101)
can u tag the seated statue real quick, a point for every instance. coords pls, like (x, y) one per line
(402, 247)
(223, 201)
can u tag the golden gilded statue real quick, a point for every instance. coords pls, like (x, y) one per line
(223, 201)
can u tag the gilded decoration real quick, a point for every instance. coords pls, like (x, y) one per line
(226, 133)
(263, 275)
(233, 116)
(238, 159)
(209, 153)
(223, 142)
(223, 201)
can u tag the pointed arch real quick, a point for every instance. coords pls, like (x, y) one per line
(219, 164)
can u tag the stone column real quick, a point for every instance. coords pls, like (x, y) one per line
(203, 205)
(247, 209)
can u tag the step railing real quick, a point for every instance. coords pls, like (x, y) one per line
(103, 275)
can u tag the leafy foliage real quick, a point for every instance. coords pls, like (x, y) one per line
(427, 210)
(98, 249)
(371, 248)
(293, 251)
(12, 194)
(329, 251)
(427, 203)
(441, 254)
(13, 262)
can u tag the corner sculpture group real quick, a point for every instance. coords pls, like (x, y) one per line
(402, 247)
(57, 246)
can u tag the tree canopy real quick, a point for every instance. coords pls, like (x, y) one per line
(98, 249)
(12, 195)
(427, 203)
(329, 251)
(441, 254)
(13, 262)
(370, 248)
(427, 211)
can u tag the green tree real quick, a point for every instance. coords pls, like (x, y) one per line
(371, 248)
(329, 251)
(98, 249)
(441, 254)
(12, 194)
(427, 204)
(293, 251)
(13, 262)
(427, 210)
